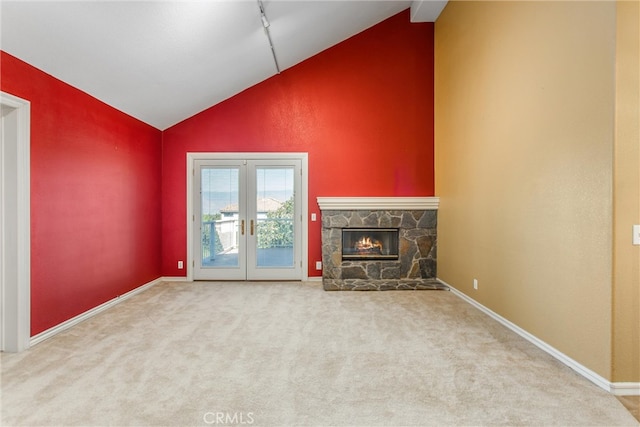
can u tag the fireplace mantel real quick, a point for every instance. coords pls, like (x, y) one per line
(378, 203)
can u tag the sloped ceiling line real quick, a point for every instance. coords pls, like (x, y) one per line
(136, 55)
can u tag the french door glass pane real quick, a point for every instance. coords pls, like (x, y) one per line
(274, 215)
(220, 216)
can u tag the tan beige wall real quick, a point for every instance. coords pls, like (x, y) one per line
(626, 264)
(524, 128)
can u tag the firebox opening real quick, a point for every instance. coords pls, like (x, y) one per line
(370, 244)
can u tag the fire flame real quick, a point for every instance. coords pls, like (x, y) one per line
(367, 244)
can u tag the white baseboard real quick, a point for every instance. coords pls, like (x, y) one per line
(625, 389)
(175, 279)
(618, 389)
(90, 313)
(314, 279)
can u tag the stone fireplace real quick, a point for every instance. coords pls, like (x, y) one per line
(379, 243)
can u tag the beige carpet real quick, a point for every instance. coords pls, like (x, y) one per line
(279, 354)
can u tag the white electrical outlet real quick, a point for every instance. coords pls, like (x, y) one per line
(313, 216)
(180, 265)
(475, 284)
(318, 265)
(636, 234)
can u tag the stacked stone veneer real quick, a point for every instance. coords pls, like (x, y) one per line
(415, 268)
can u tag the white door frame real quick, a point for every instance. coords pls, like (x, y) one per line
(15, 226)
(303, 157)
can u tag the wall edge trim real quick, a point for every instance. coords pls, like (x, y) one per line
(36, 339)
(618, 389)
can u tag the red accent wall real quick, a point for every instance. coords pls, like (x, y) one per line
(95, 197)
(363, 110)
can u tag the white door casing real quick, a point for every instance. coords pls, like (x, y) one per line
(15, 223)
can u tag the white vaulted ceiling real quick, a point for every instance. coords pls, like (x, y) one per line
(164, 61)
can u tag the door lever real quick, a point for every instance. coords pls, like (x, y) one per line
(252, 227)
(242, 227)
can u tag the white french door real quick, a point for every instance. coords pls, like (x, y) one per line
(247, 219)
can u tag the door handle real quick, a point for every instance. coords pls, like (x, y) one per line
(252, 227)
(242, 227)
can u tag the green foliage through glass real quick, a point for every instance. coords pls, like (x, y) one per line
(276, 231)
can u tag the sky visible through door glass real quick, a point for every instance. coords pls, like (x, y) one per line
(220, 186)
(276, 183)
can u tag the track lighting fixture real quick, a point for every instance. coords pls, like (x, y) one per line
(266, 25)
